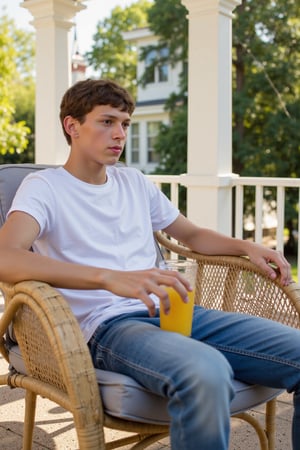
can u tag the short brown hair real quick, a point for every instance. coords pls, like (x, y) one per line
(83, 96)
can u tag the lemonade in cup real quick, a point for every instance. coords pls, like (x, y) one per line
(180, 316)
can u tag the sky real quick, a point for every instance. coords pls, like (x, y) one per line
(86, 20)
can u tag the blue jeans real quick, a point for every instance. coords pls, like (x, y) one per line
(195, 374)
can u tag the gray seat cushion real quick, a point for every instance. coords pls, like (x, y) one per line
(125, 398)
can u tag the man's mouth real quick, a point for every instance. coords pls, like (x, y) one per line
(116, 149)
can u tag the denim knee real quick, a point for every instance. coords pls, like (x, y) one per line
(202, 376)
(199, 402)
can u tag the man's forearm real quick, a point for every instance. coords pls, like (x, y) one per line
(19, 265)
(212, 243)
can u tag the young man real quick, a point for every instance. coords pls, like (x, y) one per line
(90, 225)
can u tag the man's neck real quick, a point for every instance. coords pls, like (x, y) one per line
(94, 174)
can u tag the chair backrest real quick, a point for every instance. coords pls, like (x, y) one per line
(11, 176)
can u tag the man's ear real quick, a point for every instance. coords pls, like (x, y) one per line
(71, 127)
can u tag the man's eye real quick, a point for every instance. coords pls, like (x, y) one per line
(126, 125)
(107, 122)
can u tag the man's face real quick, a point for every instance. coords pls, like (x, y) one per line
(102, 136)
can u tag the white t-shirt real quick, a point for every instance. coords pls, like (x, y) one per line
(109, 225)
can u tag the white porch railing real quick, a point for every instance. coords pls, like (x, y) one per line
(273, 189)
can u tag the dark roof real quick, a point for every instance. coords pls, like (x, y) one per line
(160, 101)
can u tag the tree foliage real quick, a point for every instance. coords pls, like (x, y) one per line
(266, 91)
(167, 20)
(172, 157)
(266, 97)
(266, 100)
(111, 55)
(16, 60)
(24, 102)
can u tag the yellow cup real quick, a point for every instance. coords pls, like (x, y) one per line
(180, 316)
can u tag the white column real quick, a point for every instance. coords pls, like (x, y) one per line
(52, 21)
(210, 113)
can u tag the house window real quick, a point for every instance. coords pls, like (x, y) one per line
(152, 133)
(150, 66)
(163, 68)
(135, 143)
(157, 72)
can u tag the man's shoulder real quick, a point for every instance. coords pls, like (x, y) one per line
(44, 173)
(126, 170)
(51, 176)
(39, 184)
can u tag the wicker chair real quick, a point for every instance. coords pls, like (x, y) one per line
(54, 361)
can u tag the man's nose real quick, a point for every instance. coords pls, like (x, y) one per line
(119, 132)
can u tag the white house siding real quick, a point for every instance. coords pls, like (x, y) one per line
(150, 102)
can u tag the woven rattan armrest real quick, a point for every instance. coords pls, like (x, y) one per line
(59, 367)
(57, 359)
(233, 283)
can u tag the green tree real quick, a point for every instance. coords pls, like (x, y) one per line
(111, 55)
(266, 99)
(173, 158)
(167, 20)
(266, 63)
(24, 88)
(266, 96)
(24, 101)
(15, 50)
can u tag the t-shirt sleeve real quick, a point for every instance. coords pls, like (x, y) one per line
(162, 210)
(34, 197)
